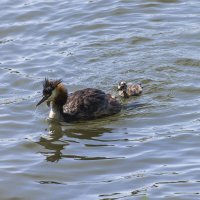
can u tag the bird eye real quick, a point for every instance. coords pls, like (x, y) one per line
(47, 91)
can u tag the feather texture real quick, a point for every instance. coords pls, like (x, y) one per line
(83, 104)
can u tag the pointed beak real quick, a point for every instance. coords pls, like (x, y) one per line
(44, 98)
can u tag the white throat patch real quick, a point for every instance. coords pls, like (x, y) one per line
(52, 113)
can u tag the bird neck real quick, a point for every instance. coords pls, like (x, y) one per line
(125, 94)
(61, 95)
(55, 111)
(56, 106)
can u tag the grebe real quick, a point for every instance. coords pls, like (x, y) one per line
(83, 104)
(127, 90)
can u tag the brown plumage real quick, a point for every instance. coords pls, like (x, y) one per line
(127, 90)
(83, 104)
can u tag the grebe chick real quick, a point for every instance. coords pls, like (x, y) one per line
(130, 89)
(83, 104)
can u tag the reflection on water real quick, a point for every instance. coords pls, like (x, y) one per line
(148, 151)
(60, 136)
(53, 148)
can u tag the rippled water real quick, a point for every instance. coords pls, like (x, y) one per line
(150, 152)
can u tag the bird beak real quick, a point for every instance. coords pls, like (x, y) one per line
(44, 98)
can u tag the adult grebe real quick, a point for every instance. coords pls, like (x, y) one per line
(127, 90)
(83, 104)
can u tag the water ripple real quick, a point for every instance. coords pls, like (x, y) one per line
(151, 151)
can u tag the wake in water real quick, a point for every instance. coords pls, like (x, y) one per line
(134, 105)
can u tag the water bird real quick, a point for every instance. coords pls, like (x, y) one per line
(83, 104)
(127, 90)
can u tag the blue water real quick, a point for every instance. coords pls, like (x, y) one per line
(149, 152)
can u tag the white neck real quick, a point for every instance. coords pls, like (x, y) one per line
(54, 112)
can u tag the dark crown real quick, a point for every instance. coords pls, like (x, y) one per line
(49, 86)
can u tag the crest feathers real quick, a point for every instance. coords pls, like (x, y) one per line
(52, 84)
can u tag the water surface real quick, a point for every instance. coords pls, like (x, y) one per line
(150, 152)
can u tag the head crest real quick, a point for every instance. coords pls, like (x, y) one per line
(51, 84)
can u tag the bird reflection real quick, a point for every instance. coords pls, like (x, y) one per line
(70, 134)
(52, 145)
(62, 135)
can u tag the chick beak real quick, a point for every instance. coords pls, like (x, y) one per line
(44, 98)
